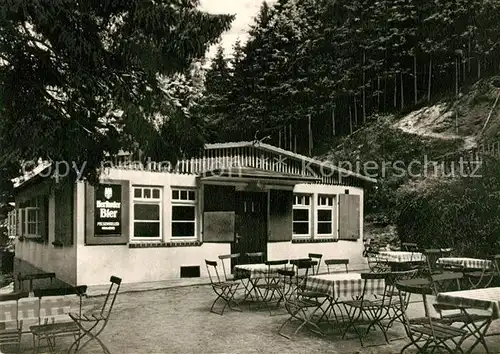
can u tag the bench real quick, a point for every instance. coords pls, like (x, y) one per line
(20, 314)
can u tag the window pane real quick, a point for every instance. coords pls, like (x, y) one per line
(330, 201)
(300, 228)
(137, 193)
(300, 215)
(175, 195)
(325, 228)
(191, 195)
(182, 229)
(146, 212)
(182, 212)
(146, 229)
(307, 199)
(156, 193)
(184, 195)
(147, 193)
(324, 215)
(32, 229)
(32, 215)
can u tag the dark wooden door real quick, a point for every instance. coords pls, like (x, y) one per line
(250, 225)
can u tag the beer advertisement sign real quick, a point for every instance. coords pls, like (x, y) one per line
(108, 209)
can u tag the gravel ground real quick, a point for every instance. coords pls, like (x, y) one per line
(178, 321)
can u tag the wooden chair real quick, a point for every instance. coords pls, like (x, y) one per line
(302, 304)
(331, 263)
(270, 289)
(55, 306)
(228, 276)
(484, 277)
(427, 333)
(93, 324)
(316, 257)
(255, 256)
(225, 290)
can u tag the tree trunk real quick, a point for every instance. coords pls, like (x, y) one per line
(295, 144)
(415, 77)
(284, 137)
(429, 81)
(385, 92)
(395, 90)
(355, 111)
(363, 92)
(402, 91)
(279, 138)
(310, 135)
(290, 136)
(350, 120)
(456, 77)
(478, 67)
(333, 121)
(468, 56)
(378, 93)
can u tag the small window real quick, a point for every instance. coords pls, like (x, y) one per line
(301, 215)
(325, 215)
(147, 214)
(183, 213)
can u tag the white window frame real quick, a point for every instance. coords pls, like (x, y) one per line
(299, 204)
(325, 206)
(152, 201)
(24, 219)
(184, 202)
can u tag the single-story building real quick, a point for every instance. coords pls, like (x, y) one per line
(151, 222)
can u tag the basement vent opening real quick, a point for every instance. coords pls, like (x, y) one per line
(190, 272)
(346, 191)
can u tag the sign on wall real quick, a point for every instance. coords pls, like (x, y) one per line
(108, 209)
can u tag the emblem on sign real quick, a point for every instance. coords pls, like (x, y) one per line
(108, 193)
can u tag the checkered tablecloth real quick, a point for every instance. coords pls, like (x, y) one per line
(256, 271)
(484, 299)
(471, 263)
(344, 285)
(401, 256)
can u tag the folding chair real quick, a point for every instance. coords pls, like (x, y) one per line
(55, 306)
(484, 277)
(330, 263)
(426, 333)
(255, 257)
(369, 309)
(317, 257)
(432, 255)
(271, 287)
(225, 290)
(302, 304)
(93, 324)
(228, 276)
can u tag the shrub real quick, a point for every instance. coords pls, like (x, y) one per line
(463, 213)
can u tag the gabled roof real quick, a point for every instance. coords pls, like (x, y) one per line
(273, 149)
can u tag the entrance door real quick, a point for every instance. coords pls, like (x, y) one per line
(250, 225)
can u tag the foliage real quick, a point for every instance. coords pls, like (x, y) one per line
(376, 151)
(463, 213)
(82, 79)
(337, 63)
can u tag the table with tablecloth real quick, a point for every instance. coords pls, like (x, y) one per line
(251, 274)
(486, 299)
(401, 256)
(464, 262)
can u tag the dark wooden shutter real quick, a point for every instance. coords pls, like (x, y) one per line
(63, 196)
(280, 215)
(349, 217)
(218, 213)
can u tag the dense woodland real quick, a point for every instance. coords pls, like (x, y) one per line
(313, 69)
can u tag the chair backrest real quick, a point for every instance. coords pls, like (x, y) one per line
(222, 258)
(408, 288)
(447, 281)
(56, 303)
(255, 255)
(409, 247)
(368, 289)
(302, 268)
(212, 271)
(331, 263)
(317, 257)
(270, 264)
(432, 255)
(109, 302)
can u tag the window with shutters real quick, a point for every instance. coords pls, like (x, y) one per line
(32, 218)
(183, 213)
(147, 213)
(301, 215)
(325, 216)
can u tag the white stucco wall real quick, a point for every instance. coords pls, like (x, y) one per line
(46, 257)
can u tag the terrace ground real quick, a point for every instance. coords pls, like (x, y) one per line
(177, 320)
